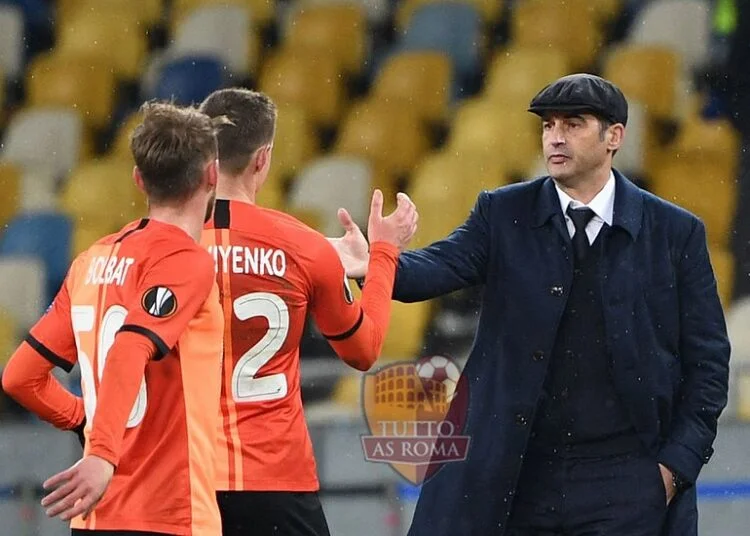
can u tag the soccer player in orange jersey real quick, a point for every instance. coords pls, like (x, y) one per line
(272, 270)
(139, 312)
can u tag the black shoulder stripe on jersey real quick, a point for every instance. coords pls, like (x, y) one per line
(141, 225)
(348, 333)
(48, 354)
(161, 347)
(221, 214)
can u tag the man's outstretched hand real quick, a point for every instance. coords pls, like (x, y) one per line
(397, 228)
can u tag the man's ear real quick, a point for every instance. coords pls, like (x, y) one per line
(138, 179)
(212, 173)
(262, 158)
(615, 136)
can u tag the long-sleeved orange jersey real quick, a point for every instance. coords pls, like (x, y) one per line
(271, 271)
(139, 312)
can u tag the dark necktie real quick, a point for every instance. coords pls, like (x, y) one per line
(581, 217)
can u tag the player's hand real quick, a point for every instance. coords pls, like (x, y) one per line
(352, 248)
(78, 489)
(398, 227)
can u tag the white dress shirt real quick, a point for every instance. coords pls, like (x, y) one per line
(603, 206)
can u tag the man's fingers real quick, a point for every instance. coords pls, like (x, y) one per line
(59, 493)
(84, 506)
(376, 206)
(345, 219)
(65, 503)
(55, 480)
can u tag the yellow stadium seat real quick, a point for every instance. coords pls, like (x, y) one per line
(406, 330)
(10, 186)
(517, 74)
(490, 10)
(148, 11)
(722, 262)
(121, 145)
(306, 80)
(348, 391)
(9, 337)
(338, 30)
(295, 143)
(86, 84)
(511, 135)
(102, 179)
(714, 140)
(702, 187)
(648, 74)
(603, 10)
(389, 134)
(420, 78)
(114, 36)
(271, 195)
(262, 11)
(572, 27)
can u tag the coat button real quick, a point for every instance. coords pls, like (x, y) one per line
(521, 420)
(538, 355)
(556, 290)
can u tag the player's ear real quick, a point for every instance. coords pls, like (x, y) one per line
(262, 158)
(212, 173)
(138, 179)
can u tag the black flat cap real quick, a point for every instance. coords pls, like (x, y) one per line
(582, 93)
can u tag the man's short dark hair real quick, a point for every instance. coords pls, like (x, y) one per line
(253, 117)
(171, 147)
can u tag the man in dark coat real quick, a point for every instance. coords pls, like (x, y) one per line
(600, 364)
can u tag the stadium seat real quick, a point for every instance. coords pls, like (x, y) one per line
(39, 187)
(120, 147)
(295, 143)
(190, 79)
(389, 134)
(377, 11)
(306, 80)
(714, 140)
(262, 12)
(22, 288)
(406, 329)
(336, 30)
(85, 84)
(603, 10)
(82, 194)
(512, 135)
(568, 27)
(223, 31)
(489, 10)
(445, 187)
(516, 74)
(631, 158)
(9, 337)
(10, 186)
(452, 28)
(149, 12)
(647, 74)
(684, 26)
(703, 187)
(46, 137)
(330, 183)
(45, 236)
(271, 195)
(420, 79)
(115, 36)
(12, 54)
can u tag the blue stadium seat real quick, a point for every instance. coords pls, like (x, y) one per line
(189, 79)
(46, 236)
(452, 28)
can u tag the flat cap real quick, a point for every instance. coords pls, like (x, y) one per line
(582, 93)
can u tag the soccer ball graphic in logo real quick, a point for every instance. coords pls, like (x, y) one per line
(439, 369)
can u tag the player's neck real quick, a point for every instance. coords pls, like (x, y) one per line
(186, 218)
(236, 189)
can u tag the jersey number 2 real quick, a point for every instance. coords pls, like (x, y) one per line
(83, 317)
(245, 386)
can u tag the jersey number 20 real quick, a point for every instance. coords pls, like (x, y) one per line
(83, 317)
(245, 386)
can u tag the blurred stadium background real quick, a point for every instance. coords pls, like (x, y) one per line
(417, 95)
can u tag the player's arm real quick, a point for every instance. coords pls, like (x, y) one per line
(28, 378)
(169, 295)
(355, 329)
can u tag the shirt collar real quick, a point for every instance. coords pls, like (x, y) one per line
(603, 203)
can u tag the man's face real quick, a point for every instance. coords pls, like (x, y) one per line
(574, 145)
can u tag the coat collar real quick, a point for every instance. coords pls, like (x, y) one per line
(628, 210)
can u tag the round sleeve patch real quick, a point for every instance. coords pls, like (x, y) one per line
(159, 302)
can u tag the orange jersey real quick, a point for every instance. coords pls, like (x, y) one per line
(272, 270)
(153, 280)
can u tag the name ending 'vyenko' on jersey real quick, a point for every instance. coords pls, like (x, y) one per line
(249, 260)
